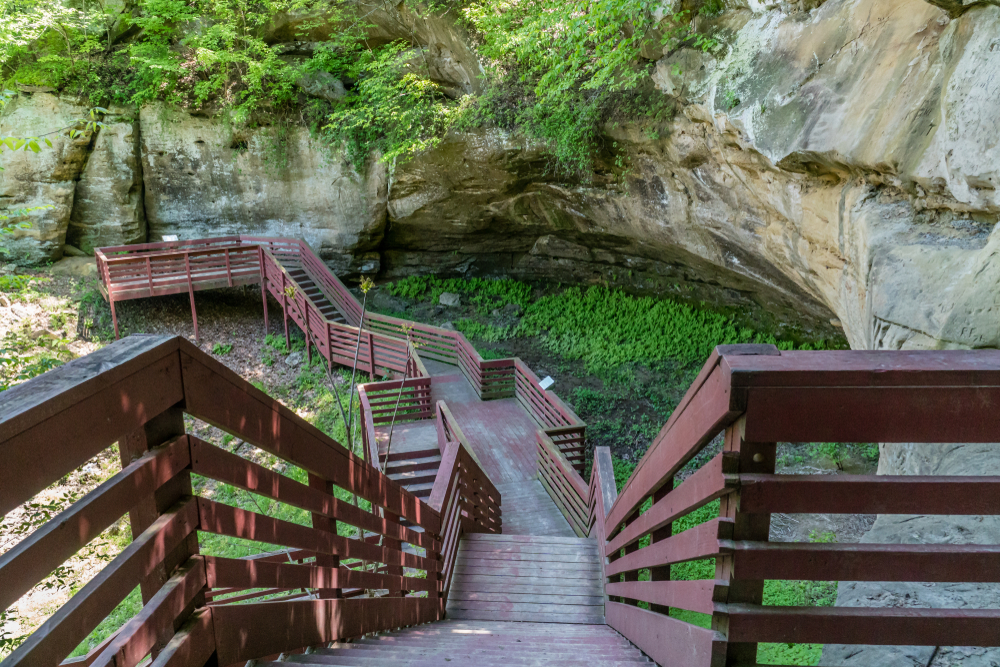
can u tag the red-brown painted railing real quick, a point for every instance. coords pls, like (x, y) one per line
(137, 392)
(152, 269)
(394, 401)
(461, 485)
(758, 397)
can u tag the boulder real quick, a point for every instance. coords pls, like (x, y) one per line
(76, 267)
(450, 299)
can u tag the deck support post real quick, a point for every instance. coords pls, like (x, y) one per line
(284, 309)
(263, 286)
(194, 313)
(309, 353)
(114, 315)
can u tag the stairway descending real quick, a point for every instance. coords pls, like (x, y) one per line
(315, 293)
(480, 643)
(529, 578)
(415, 471)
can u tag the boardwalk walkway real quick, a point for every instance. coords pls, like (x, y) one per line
(502, 437)
(482, 572)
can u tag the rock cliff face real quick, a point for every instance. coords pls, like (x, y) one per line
(834, 165)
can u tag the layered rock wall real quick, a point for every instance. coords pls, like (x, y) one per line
(829, 168)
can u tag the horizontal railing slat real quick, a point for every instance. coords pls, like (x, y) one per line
(71, 623)
(33, 558)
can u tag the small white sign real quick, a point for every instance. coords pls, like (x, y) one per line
(547, 382)
(170, 237)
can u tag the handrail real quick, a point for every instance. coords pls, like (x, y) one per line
(380, 349)
(136, 392)
(758, 396)
(566, 431)
(467, 499)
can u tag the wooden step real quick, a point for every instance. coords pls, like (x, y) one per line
(413, 463)
(411, 478)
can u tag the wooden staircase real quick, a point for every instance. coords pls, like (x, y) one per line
(481, 643)
(415, 471)
(315, 293)
(533, 578)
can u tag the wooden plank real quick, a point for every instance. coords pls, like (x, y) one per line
(705, 485)
(139, 635)
(34, 557)
(887, 414)
(525, 570)
(241, 573)
(193, 644)
(906, 626)
(221, 465)
(70, 624)
(98, 398)
(487, 557)
(666, 640)
(865, 494)
(529, 548)
(553, 607)
(978, 563)
(699, 595)
(537, 539)
(248, 631)
(525, 585)
(225, 520)
(590, 618)
(704, 541)
(538, 598)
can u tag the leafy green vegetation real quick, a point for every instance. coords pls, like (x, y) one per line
(222, 348)
(485, 293)
(606, 328)
(561, 70)
(557, 71)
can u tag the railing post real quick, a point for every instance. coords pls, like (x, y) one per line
(263, 285)
(759, 458)
(229, 271)
(322, 522)
(284, 308)
(309, 354)
(661, 573)
(194, 313)
(329, 346)
(158, 431)
(371, 354)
